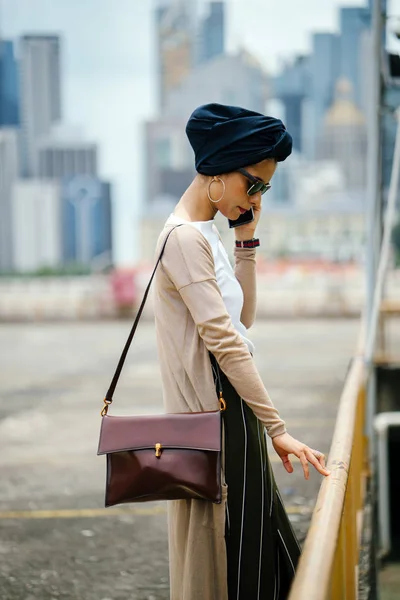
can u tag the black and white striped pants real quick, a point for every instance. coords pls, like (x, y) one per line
(262, 549)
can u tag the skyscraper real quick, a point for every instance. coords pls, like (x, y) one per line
(211, 34)
(174, 45)
(344, 137)
(65, 159)
(40, 94)
(307, 94)
(186, 38)
(9, 88)
(354, 21)
(87, 220)
(291, 87)
(324, 72)
(37, 226)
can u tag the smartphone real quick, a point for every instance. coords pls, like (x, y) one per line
(245, 218)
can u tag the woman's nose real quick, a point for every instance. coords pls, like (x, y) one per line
(255, 199)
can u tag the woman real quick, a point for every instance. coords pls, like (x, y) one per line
(244, 548)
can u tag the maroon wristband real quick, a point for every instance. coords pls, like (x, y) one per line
(254, 243)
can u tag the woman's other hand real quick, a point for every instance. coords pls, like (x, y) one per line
(285, 444)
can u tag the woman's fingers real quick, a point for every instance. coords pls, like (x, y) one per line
(321, 459)
(304, 463)
(285, 445)
(287, 463)
(317, 459)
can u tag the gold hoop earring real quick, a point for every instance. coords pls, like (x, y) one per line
(209, 186)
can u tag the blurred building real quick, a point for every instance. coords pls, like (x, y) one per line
(354, 23)
(315, 183)
(281, 191)
(60, 212)
(237, 79)
(186, 37)
(229, 79)
(9, 87)
(61, 222)
(8, 175)
(40, 86)
(335, 230)
(169, 161)
(211, 42)
(174, 37)
(306, 87)
(65, 153)
(291, 87)
(324, 72)
(302, 183)
(344, 137)
(36, 225)
(87, 221)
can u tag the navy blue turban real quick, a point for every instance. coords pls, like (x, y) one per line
(226, 138)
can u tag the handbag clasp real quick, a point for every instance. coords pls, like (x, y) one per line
(222, 403)
(158, 450)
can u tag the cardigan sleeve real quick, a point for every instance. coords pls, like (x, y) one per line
(245, 271)
(189, 264)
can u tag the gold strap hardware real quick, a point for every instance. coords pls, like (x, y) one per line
(104, 410)
(158, 450)
(222, 403)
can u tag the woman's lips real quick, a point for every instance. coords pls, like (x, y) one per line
(242, 210)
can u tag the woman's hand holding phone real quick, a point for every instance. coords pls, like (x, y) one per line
(247, 231)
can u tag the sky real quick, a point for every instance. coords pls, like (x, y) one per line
(109, 74)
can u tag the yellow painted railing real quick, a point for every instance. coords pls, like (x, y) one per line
(328, 567)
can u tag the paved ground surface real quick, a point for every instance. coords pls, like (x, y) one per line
(56, 540)
(389, 581)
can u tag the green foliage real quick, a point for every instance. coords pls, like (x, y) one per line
(72, 269)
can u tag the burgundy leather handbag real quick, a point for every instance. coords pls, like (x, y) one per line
(161, 457)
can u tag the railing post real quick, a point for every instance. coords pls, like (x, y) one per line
(351, 557)
(338, 590)
(374, 178)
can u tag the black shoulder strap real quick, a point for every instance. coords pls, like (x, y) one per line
(109, 396)
(110, 393)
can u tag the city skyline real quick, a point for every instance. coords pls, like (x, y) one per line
(94, 66)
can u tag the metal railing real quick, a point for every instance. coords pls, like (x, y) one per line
(328, 566)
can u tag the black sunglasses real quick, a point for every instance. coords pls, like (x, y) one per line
(257, 184)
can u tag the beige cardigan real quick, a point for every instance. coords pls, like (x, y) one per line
(191, 320)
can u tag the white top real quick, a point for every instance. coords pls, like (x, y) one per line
(230, 287)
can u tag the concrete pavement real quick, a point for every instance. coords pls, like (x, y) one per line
(56, 540)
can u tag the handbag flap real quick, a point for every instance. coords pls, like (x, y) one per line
(196, 431)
